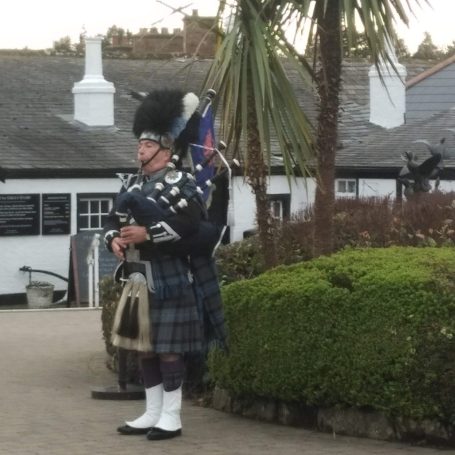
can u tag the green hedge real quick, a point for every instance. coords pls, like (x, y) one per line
(371, 328)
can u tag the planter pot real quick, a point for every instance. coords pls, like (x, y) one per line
(40, 296)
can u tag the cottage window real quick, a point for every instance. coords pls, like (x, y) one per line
(346, 187)
(92, 211)
(280, 206)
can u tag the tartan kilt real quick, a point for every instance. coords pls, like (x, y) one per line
(175, 323)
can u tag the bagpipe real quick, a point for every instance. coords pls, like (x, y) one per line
(173, 194)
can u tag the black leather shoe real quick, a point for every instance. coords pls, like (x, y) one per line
(126, 429)
(157, 434)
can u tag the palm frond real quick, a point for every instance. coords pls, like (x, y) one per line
(250, 65)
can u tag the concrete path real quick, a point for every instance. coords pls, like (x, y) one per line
(49, 362)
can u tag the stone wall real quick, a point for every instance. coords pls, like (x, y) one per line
(157, 45)
(348, 422)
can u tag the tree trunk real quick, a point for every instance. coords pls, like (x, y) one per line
(328, 84)
(257, 172)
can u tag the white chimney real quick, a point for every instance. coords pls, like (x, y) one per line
(388, 97)
(93, 95)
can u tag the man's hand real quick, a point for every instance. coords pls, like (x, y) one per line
(118, 246)
(133, 234)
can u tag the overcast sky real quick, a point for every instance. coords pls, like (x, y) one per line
(36, 24)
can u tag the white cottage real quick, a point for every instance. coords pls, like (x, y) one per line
(65, 132)
(58, 166)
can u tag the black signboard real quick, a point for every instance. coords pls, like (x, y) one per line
(56, 214)
(78, 267)
(19, 214)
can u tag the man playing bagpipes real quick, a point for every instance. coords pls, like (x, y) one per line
(171, 302)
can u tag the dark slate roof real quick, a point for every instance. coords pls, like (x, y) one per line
(37, 133)
(39, 138)
(354, 124)
(356, 83)
(383, 148)
(367, 147)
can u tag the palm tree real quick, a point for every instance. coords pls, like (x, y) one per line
(328, 19)
(258, 100)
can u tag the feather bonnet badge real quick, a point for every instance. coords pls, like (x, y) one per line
(167, 117)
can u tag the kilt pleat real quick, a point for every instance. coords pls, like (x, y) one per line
(176, 325)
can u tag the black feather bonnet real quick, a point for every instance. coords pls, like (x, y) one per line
(168, 117)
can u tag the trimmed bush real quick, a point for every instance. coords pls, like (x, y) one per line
(427, 220)
(370, 328)
(239, 260)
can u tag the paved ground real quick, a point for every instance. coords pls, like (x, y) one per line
(49, 362)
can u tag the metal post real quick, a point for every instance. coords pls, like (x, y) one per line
(96, 245)
(90, 280)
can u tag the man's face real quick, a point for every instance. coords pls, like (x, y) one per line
(146, 149)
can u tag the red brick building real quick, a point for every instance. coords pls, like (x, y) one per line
(198, 38)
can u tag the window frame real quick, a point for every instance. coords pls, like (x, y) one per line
(285, 200)
(92, 197)
(347, 181)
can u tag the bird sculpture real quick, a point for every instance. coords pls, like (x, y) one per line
(416, 177)
(435, 149)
